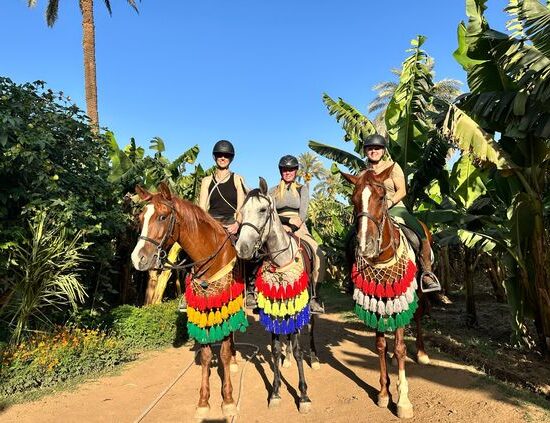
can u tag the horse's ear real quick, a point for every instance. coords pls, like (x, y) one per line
(143, 193)
(350, 178)
(263, 186)
(165, 191)
(385, 174)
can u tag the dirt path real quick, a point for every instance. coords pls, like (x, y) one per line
(343, 390)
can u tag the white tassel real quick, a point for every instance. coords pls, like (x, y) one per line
(397, 306)
(366, 302)
(389, 307)
(414, 284)
(404, 303)
(360, 297)
(372, 305)
(381, 308)
(355, 293)
(409, 295)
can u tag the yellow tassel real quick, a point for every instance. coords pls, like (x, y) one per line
(217, 317)
(291, 309)
(240, 301)
(225, 312)
(267, 308)
(282, 310)
(231, 307)
(275, 308)
(203, 320)
(211, 319)
(261, 300)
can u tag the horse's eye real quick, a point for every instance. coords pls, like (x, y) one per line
(263, 209)
(161, 217)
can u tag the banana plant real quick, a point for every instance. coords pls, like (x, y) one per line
(509, 80)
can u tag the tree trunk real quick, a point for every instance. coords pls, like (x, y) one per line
(470, 264)
(151, 287)
(445, 269)
(496, 278)
(88, 45)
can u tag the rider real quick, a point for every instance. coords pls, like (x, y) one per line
(396, 190)
(291, 201)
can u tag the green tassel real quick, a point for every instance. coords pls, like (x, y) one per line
(373, 321)
(391, 324)
(381, 325)
(399, 320)
(225, 329)
(360, 313)
(357, 310)
(366, 318)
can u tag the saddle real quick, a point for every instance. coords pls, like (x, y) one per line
(307, 253)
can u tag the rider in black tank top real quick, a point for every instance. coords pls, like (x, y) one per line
(223, 200)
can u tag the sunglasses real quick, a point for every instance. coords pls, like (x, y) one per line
(223, 155)
(374, 147)
(288, 169)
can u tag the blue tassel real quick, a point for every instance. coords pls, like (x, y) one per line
(291, 325)
(284, 328)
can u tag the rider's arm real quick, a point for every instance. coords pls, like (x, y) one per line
(203, 197)
(304, 202)
(398, 178)
(241, 194)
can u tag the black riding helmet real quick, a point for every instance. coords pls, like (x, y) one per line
(223, 146)
(375, 140)
(288, 161)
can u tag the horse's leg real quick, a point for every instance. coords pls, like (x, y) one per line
(382, 348)
(421, 355)
(228, 406)
(305, 402)
(312, 350)
(275, 398)
(404, 406)
(287, 362)
(233, 367)
(206, 358)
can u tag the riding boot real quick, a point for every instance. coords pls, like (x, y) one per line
(250, 280)
(182, 306)
(429, 280)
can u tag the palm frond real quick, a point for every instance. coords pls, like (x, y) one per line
(356, 125)
(52, 12)
(349, 160)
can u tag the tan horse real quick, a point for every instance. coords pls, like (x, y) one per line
(386, 293)
(213, 291)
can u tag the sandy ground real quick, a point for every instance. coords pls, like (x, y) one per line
(343, 390)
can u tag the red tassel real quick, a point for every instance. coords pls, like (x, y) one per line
(359, 282)
(379, 290)
(389, 290)
(397, 287)
(289, 292)
(372, 288)
(280, 292)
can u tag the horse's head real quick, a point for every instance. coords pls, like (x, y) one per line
(158, 220)
(257, 213)
(369, 202)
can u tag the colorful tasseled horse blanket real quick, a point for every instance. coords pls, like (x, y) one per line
(283, 298)
(385, 294)
(215, 307)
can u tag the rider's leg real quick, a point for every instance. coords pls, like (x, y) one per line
(317, 272)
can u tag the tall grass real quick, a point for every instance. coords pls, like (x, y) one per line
(43, 274)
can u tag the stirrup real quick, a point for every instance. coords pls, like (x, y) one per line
(321, 305)
(252, 295)
(437, 284)
(182, 305)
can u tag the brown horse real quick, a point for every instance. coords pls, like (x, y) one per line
(214, 296)
(386, 293)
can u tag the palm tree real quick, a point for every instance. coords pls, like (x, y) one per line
(310, 167)
(88, 46)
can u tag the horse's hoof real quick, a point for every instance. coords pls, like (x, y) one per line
(287, 363)
(305, 407)
(202, 412)
(229, 410)
(274, 402)
(315, 365)
(423, 358)
(383, 401)
(234, 368)
(405, 412)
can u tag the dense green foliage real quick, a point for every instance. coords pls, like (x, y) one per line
(50, 159)
(148, 327)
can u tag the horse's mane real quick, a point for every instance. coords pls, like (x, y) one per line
(193, 215)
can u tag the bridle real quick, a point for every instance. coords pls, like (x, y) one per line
(162, 261)
(380, 223)
(261, 230)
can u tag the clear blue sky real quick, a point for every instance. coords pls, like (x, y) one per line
(251, 71)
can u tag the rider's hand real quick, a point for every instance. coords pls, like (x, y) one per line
(233, 228)
(287, 228)
(296, 221)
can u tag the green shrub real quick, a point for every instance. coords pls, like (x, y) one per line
(148, 327)
(47, 359)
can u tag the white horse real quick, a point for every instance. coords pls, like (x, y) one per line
(282, 284)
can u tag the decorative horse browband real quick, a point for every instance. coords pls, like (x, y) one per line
(385, 294)
(283, 297)
(215, 308)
